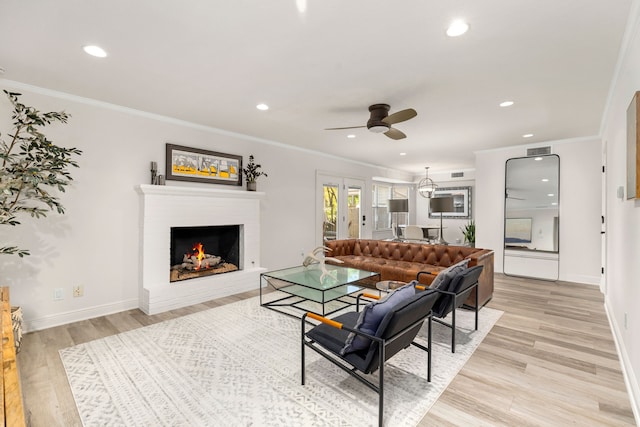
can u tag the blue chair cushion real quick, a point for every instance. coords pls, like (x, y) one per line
(444, 277)
(372, 315)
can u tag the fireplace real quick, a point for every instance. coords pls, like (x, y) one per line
(203, 251)
(165, 207)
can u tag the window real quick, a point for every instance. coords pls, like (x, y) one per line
(381, 194)
(380, 198)
(401, 192)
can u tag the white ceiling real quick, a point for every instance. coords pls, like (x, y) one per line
(211, 62)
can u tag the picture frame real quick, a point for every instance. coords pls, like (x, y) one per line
(461, 202)
(517, 232)
(198, 165)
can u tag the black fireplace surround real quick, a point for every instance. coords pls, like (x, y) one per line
(217, 240)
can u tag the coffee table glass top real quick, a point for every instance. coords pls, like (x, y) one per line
(313, 277)
(306, 286)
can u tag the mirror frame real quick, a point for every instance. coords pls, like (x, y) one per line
(504, 222)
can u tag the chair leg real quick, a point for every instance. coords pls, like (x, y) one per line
(453, 330)
(381, 384)
(429, 352)
(476, 308)
(302, 350)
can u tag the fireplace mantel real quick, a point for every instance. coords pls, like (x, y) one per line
(174, 190)
(166, 206)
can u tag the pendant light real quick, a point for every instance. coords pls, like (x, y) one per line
(426, 186)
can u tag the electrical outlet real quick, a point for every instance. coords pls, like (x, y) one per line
(58, 294)
(78, 291)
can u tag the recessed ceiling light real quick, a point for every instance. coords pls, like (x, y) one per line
(506, 104)
(96, 51)
(550, 194)
(527, 135)
(457, 28)
(351, 136)
(545, 179)
(554, 204)
(262, 107)
(403, 154)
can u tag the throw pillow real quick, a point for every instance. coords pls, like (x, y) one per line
(444, 277)
(371, 316)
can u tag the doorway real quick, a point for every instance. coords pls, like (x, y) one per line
(340, 214)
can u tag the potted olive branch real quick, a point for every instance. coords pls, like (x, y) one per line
(251, 173)
(30, 167)
(30, 164)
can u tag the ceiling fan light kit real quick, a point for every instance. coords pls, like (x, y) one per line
(379, 128)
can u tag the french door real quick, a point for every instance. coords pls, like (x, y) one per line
(340, 212)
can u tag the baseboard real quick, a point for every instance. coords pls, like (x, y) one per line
(46, 322)
(630, 379)
(579, 278)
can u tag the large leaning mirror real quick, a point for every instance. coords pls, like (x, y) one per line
(531, 217)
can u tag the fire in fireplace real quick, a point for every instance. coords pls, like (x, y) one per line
(202, 251)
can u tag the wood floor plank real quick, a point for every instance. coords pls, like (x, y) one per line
(549, 361)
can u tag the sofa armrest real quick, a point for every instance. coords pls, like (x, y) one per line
(480, 257)
(484, 257)
(340, 247)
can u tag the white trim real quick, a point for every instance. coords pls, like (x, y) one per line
(633, 388)
(79, 315)
(579, 278)
(175, 190)
(166, 119)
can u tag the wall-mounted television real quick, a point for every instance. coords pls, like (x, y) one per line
(517, 231)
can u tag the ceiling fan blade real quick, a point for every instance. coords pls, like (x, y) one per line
(395, 134)
(348, 127)
(509, 196)
(400, 116)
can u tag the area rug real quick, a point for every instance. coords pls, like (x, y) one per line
(239, 365)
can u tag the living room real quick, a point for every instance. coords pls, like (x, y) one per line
(97, 242)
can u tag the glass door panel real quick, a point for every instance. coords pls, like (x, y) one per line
(354, 199)
(330, 211)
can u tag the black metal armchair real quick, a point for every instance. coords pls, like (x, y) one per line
(453, 292)
(396, 331)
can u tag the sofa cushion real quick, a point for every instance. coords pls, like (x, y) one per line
(372, 315)
(444, 277)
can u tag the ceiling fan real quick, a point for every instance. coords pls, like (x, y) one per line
(380, 121)
(509, 196)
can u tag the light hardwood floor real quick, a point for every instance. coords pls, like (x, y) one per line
(549, 361)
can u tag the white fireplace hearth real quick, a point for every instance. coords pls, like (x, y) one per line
(163, 207)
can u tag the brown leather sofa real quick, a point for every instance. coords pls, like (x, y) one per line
(402, 261)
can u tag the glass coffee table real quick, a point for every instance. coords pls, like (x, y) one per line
(312, 289)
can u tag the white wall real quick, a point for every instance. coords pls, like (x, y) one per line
(580, 165)
(622, 293)
(95, 243)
